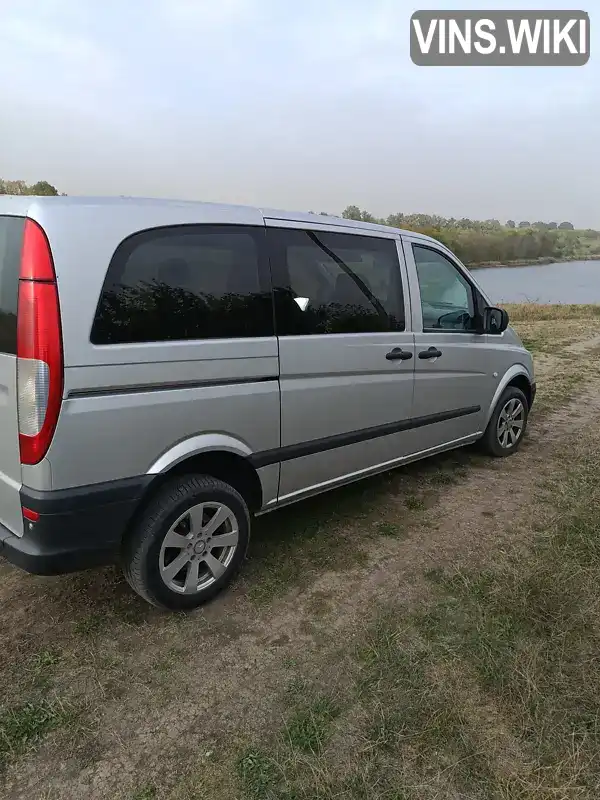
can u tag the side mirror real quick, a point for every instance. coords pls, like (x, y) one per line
(495, 320)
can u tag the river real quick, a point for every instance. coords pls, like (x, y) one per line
(565, 282)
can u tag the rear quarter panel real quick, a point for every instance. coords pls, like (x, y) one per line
(127, 405)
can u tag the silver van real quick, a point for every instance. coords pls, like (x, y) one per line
(170, 369)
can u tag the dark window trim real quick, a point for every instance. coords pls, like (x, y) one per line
(281, 281)
(264, 273)
(9, 277)
(477, 304)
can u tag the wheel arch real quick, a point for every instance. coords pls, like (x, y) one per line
(217, 455)
(228, 466)
(523, 383)
(517, 376)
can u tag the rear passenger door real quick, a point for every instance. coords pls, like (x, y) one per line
(346, 353)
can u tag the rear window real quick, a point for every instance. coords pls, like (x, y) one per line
(11, 238)
(185, 282)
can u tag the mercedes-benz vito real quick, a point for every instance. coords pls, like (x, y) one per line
(170, 369)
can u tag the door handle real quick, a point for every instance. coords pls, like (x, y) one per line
(398, 354)
(432, 352)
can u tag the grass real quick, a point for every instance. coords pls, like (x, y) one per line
(258, 774)
(290, 544)
(491, 691)
(148, 792)
(45, 660)
(538, 312)
(537, 343)
(293, 544)
(557, 390)
(25, 725)
(391, 529)
(411, 712)
(531, 634)
(91, 624)
(560, 371)
(414, 502)
(302, 740)
(309, 726)
(403, 720)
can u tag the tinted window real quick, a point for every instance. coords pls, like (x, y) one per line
(188, 282)
(446, 295)
(335, 283)
(11, 238)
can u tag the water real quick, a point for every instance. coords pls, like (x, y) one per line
(568, 282)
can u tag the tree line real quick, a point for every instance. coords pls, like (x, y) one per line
(21, 188)
(435, 221)
(490, 242)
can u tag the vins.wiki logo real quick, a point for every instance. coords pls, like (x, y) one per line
(500, 38)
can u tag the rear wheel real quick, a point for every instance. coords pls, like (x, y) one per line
(507, 424)
(188, 544)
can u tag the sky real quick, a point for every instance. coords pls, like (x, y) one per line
(310, 105)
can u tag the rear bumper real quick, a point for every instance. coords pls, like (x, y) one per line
(77, 528)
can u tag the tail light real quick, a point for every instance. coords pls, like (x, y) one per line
(39, 347)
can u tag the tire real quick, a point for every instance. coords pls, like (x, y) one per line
(494, 442)
(175, 530)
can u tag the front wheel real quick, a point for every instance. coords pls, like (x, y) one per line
(507, 424)
(188, 544)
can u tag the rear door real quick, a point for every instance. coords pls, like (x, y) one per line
(11, 235)
(454, 365)
(346, 353)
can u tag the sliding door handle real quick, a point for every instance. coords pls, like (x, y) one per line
(432, 352)
(398, 354)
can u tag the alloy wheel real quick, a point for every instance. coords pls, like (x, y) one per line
(198, 547)
(511, 423)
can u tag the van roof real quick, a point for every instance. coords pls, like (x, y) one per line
(21, 204)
